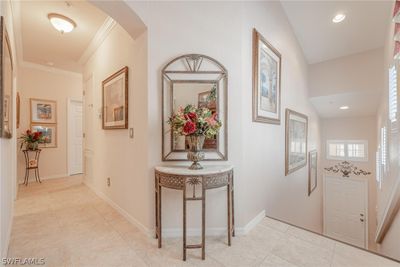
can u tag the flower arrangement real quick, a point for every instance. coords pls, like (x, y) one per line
(191, 121)
(31, 140)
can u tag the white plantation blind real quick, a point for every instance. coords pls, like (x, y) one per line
(383, 147)
(392, 94)
(378, 169)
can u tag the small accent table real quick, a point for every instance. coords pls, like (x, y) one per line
(181, 178)
(32, 164)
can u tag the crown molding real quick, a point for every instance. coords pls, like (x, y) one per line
(15, 7)
(31, 65)
(98, 39)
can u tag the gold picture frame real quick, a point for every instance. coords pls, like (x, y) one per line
(115, 100)
(18, 104)
(266, 81)
(43, 111)
(48, 130)
(296, 131)
(312, 171)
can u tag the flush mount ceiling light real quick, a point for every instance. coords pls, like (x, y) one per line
(344, 107)
(338, 18)
(61, 23)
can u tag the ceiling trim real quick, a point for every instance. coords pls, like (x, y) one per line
(98, 39)
(16, 19)
(27, 64)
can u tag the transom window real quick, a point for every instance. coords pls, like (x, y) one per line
(355, 150)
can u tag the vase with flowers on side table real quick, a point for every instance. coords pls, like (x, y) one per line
(196, 124)
(31, 140)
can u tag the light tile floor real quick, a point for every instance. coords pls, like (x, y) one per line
(63, 221)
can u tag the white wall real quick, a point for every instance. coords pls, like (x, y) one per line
(256, 150)
(8, 152)
(361, 128)
(117, 156)
(51, 84)
(391, 243)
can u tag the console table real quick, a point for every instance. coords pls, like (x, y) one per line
(32, 164)
(181, 178)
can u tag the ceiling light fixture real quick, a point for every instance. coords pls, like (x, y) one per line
(338, 18)
(344, 107)
(61, 23)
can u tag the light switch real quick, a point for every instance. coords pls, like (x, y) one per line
(131, 133)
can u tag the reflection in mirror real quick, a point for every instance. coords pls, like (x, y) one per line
(200, 94)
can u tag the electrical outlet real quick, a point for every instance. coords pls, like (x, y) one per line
(108, 181)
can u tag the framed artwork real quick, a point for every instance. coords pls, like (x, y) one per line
(312, 171)
(49, 131)
(43, 111)
(6, 86)
(266, 81)
(296, 141)
(115, 100)
(18, 103)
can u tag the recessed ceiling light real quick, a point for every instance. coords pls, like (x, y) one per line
(344, 107)
(61, 23)
(338, 18)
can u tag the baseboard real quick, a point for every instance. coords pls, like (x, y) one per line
(32, 177)
(177, 232)
(216, 231)
(121, 211)
(253, 223)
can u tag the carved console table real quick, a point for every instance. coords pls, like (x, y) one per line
(181, 178)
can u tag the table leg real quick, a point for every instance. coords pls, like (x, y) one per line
(26, 177)
(229, 213)
(233, 206)
(203, 220)
(184, 220)
(159, 230)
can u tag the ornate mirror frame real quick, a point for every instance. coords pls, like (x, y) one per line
(194, 68)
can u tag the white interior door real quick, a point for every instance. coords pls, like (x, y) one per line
(75, 136)
(346, 210)
(89, 120)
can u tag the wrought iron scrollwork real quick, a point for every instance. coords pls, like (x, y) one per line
(347, 168)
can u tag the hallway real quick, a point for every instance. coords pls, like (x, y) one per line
(63, 221)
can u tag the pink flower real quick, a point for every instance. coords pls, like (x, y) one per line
(211, 120)
(189, 128)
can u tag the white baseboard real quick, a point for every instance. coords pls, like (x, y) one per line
(32, 177)
(177, 232)
(215, 231)
(124, 213)
(253, 223)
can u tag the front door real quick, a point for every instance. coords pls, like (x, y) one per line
(345, 209)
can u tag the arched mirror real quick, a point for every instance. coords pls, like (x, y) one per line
(201, 81)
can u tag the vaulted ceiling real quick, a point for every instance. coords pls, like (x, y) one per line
(364, 28)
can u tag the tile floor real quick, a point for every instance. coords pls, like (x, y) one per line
(63, 221)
